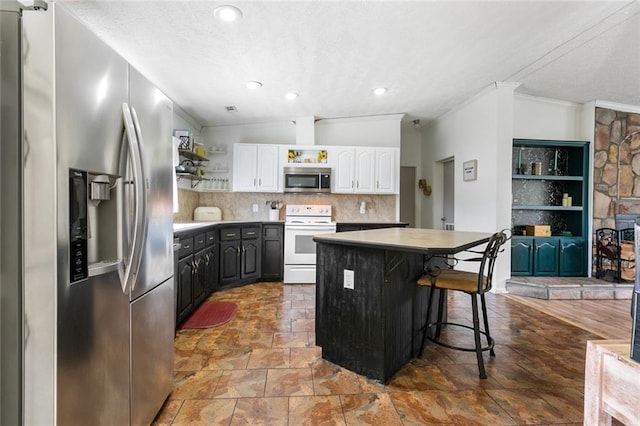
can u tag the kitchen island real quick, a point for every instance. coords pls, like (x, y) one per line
(369, 310)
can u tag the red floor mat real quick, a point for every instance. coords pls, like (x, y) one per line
(210, 314)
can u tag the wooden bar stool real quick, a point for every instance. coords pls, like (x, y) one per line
(473, 283)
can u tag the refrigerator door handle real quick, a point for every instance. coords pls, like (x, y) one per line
(135, 237)
(142, 188)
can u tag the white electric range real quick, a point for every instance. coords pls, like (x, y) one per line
(301, 223)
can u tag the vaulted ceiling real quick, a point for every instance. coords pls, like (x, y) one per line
(430, 55)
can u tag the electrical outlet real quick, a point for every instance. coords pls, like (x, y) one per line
(348, 279)
(255, 208)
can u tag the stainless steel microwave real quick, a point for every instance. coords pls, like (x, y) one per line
(307, 179)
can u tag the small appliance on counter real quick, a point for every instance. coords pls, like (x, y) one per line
(207, 214)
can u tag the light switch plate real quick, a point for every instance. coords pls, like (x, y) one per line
(348, 279)
(255, 208)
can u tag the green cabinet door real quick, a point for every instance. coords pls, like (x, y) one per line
(572, 257)
(521, 256)
(545, 256)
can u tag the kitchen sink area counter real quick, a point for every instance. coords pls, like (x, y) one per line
(369, 310)
(216, 255)
(179, 227)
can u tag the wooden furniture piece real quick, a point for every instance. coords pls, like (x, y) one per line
(369, 311)
(611, 383)
(538, 200)
(475, 284)
(613, 248)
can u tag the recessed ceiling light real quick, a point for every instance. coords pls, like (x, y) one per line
(227, 13)
(253, 85)
(291, 95)
(380, 91)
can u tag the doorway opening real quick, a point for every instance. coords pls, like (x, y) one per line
(408, 195)
(448, 194)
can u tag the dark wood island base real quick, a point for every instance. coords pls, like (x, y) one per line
(374, 326)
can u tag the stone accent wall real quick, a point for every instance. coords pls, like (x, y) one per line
(616, 166)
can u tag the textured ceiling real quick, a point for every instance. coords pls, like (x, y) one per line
(431, 55)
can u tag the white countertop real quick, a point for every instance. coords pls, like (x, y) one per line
(187, 226)
(408, 239)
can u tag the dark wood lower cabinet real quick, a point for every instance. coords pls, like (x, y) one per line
(200, 277)
(250, 259)
(229, 262)
(572, 258)
(185, 288)
(521, 256)
(211, 268)
(272, 252)
(196, 275)
(545, 257)
(376, 327)
(548, 256)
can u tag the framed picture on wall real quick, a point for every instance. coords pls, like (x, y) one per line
(470, 170)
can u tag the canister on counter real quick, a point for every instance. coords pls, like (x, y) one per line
(536, 168)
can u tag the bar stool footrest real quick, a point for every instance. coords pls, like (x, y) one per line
(489, 347)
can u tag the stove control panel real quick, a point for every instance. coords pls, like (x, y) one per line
(308, 210)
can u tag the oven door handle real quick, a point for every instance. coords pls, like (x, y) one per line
(315, 229)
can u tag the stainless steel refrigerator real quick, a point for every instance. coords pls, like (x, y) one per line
(86, 228)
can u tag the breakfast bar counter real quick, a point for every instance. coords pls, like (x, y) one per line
(369, 310)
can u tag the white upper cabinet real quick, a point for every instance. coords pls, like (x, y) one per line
(343, 169)
(364, 170)
(255, 168)
(387, 168)
(268, 171)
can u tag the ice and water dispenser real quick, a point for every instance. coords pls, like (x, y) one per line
(93, 224)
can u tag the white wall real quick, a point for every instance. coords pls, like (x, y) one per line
(182, 120)
(379, 130)
(376, 130)
(481, 129)
(268, 133)
(543, 118)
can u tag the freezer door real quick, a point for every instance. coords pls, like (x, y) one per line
(152, 325)
(93, 353)
(154, 112)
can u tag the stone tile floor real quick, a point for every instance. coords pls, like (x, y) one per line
(568, 288)
(262, 367)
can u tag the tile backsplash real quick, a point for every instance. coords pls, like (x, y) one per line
(239, 205)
